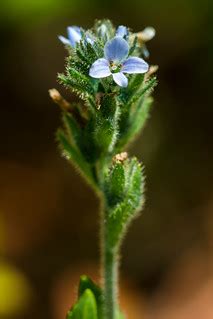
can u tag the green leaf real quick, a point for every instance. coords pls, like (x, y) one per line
(138, 121)
(106, 124)
(87, 283)
(136, 81)
(136, 109)
(122, 214)
(74, 156)
(90, 149)
(115, 184)
(72, 128)
(90, 302)
(77, 82)
(145, 89)
(85, 308)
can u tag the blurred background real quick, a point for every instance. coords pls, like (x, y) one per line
(49, 217)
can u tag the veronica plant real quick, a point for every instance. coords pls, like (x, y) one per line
(105, 69)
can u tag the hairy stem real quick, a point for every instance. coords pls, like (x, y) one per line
(109, 273)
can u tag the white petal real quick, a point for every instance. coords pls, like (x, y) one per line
(100, 69)
(120, 79)
(64, 40)
(148, 34)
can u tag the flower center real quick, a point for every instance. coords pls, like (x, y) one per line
(115, 66)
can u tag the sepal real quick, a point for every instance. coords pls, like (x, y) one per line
(85, 308)
(121, 215)
(115, 183)
(136, 108)
(90, 302)
(87, 283)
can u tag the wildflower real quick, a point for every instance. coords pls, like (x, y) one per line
(147, 34)
(116, 62)
(122, 31)
(74, 36)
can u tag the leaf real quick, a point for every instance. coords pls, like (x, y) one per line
(115, 183)
(72, 128)
(77, 82)
(122, 214)
(106, 124)
(145, 89)
(85, 308)
(138, 121)
(140, 117)
(136, 110)
(87, 283)
(74, 156)
(135, 82)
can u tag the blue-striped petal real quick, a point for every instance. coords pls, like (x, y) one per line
(116, 49)
(135, 65)
(100, 69)
(120, 79)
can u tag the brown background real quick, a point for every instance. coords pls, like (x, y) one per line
(49, 217)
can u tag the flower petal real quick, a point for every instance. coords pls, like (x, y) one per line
(100, 69)
(148, 34)
(135, 65)
(121, 31)
(89, 39)
(74, 35)
(76, 28)
(102, 30)
(64, 40)
(145, 51)
(120, 79)
(116, 49)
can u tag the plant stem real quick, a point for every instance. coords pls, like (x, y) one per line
(109, 273)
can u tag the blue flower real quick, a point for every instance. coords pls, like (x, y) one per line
(116, 62)
(74, 36)
(122, 31)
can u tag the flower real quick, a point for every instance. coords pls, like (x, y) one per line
(122, 31)
(74, 36)
(147, 34)
(116, 62)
